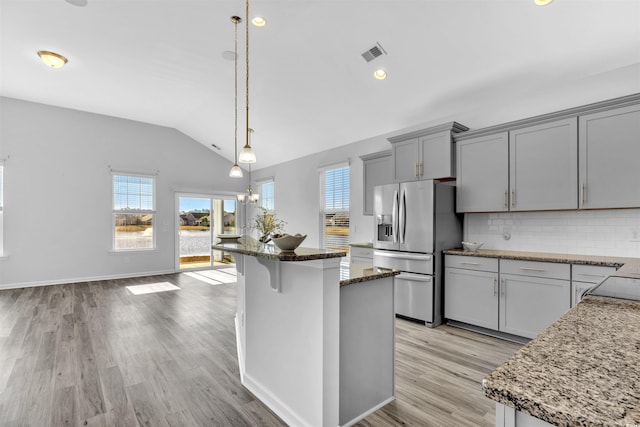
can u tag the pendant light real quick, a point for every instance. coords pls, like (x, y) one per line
(235, 171)
(249, 196)
(247, 154)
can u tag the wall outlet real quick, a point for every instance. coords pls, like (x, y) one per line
(635, 235)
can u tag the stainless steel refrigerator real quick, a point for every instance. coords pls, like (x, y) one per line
(413, 223)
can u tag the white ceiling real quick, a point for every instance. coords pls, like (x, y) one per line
(160, 61)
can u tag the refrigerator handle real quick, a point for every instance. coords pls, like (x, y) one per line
(394, 217)
(403, 217)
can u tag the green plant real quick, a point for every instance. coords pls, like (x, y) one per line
(266, 223)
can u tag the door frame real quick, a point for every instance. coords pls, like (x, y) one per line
(221, 195)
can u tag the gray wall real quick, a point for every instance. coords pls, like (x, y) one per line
(57, 219)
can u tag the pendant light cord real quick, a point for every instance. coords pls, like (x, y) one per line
(247, 62)
(235, 82)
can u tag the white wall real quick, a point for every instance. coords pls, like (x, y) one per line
(57, 192)
(589, 232)
(297, 189)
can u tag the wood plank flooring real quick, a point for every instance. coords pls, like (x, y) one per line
(94, 354)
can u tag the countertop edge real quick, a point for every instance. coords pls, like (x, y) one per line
(279, 256)
(605, 261)
(376, 276)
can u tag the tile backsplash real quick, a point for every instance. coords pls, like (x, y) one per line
(592, 232)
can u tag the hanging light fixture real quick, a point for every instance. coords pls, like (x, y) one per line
(247, 154)
(235, 171)
(249, 196)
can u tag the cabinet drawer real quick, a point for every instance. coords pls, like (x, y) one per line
(471, 262)
(590, 273)
(536, 269)
(359, 252)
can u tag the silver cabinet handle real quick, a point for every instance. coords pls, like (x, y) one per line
(532, 269)
(415, 170)
(513, 198)
(469, 263)
(592, 275)
(582, 194)
(421, 170)
(502, 286)
(495, 283)
(504, 199)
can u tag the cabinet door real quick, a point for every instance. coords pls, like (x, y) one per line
(405, 160)
(471, 297)
(483, 174)
(543, 162)
(609, 151)
(529, 304)
(376, 171)
(436, 156)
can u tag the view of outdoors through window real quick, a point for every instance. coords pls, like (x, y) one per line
(133, 212)
(200, 220)
(335, 211)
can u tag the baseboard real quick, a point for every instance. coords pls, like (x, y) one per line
(239, 349)
(369, 412)
(490, 332)
(83, 279)
(276, 405)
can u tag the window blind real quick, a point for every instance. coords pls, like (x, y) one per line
(335, 186)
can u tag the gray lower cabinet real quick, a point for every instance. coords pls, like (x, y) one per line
(523, 299)
(584, 277)
(361, 255)
(471, 297)
(609, 147)
(543, 166)
(483, 174)
(376, 170)
(528, 305)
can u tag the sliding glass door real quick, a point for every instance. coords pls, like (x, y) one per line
(200, 219)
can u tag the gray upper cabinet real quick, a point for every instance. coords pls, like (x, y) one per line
(483, 173)
(376, 169)
(543, 166)
(425, 154)
(609, 152)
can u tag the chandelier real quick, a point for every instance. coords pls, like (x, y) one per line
(249, 196)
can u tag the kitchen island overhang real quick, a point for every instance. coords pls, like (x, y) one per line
(316, 349)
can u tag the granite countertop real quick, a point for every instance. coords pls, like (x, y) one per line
(357, 273)
(582, 370)
(627, 267)
(250, 246)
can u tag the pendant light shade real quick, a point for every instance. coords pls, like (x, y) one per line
(247, 155)
(235, 171)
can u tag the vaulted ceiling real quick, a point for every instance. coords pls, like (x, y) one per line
(475, 61)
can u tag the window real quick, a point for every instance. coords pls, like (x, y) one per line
(268, 192)
(134, 209)
(334, 209)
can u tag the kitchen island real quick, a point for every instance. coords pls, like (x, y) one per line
(315, 343)
(582, 370)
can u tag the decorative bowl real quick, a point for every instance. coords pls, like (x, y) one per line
(287, 242)
(228, 237)
(472, 246)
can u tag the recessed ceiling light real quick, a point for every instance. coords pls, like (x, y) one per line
(542, 2)
(259, 21)
(380, 74)
(52, 59)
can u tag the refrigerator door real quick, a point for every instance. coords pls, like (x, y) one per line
(416, 210)
(385, 216)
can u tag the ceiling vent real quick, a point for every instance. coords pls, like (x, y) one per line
(374, 52)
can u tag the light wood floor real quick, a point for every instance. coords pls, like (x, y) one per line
(94, 354)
